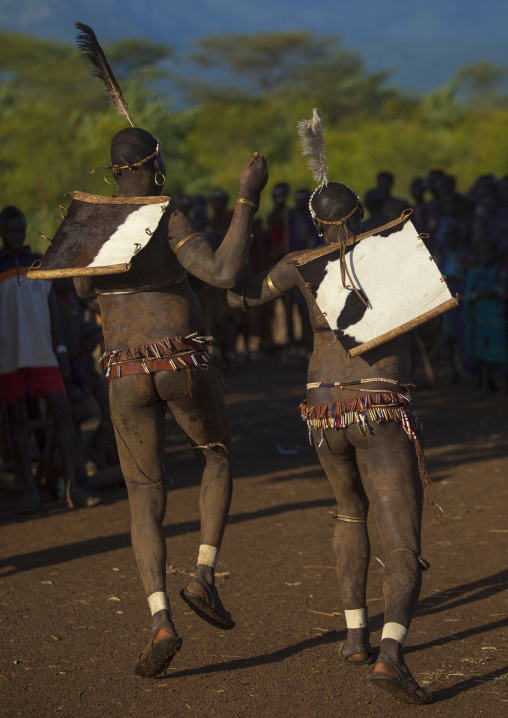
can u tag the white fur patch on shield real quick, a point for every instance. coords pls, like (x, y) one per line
(396, 275)
(121, 246)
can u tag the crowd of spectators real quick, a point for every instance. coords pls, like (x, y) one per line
(467, 232)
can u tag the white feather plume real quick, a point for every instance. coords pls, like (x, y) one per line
(313, 146)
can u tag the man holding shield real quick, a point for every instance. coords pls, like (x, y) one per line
(359, 414)
(155, 359)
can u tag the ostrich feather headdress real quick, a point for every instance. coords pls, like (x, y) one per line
(314, 147)
(90, 49)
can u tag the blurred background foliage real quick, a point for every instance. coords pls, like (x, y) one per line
(247, 93)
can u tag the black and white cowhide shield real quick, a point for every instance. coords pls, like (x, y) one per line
(100, 235)
(393, 270)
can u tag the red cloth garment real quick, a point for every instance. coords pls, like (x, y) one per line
(34, 381)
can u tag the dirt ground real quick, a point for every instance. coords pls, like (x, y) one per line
(73, 616)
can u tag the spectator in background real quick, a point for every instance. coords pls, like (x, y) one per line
(452, 262)
(33, 361)
(256, 324)
(302, 230)
(222, 216)
(302, 235)
(374, 201)
(433, 182)
(219, 319)
(499, 222)
(418, 188)
(184, 203)
(199, 218)
(452, 209)
(278, 223)
(484, 195)
(485, 299)
(82, 336)
(393, 206)
(278, 232)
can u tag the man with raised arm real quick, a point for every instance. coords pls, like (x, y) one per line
(151, 313)
(155, 359)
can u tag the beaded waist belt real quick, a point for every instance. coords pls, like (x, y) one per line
(167, 354)
(373, 405)
(376, 406)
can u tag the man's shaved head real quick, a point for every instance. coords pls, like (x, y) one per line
(132, 145)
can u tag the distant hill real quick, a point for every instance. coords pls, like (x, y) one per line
(422, 44)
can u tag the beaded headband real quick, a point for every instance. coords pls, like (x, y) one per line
(130, 165)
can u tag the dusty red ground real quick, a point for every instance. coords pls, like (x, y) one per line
(73, 617)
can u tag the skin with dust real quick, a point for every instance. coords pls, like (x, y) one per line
(376, 468)
(193, 395)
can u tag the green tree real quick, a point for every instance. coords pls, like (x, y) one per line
(441, 106)
(56, 122)
(292, 65)
(481, 83)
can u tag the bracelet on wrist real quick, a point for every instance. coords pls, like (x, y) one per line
(247, 202)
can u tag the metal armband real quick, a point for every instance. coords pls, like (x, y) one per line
(272, 286)
(182, 241)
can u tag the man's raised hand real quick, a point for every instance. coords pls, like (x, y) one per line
(253, 178)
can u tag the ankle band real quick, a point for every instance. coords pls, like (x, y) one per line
(396, 632)
(158, 601)
(208, 555)
(356, 618)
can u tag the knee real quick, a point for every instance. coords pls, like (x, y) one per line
(146, 499)
(350, 534)
(405, 560)
(215, 457)
(352, 505)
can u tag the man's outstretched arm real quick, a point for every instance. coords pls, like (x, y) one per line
(263, 287)
(222, 267)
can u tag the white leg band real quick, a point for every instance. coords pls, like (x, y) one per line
(208, 555)
(356, 618)
(158, 601)
(396, 632)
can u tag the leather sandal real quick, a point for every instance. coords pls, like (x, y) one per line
(346, 653)
(209, 609)
(404, 686)
(156, 657)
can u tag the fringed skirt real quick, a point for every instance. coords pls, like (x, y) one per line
(375, 407)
